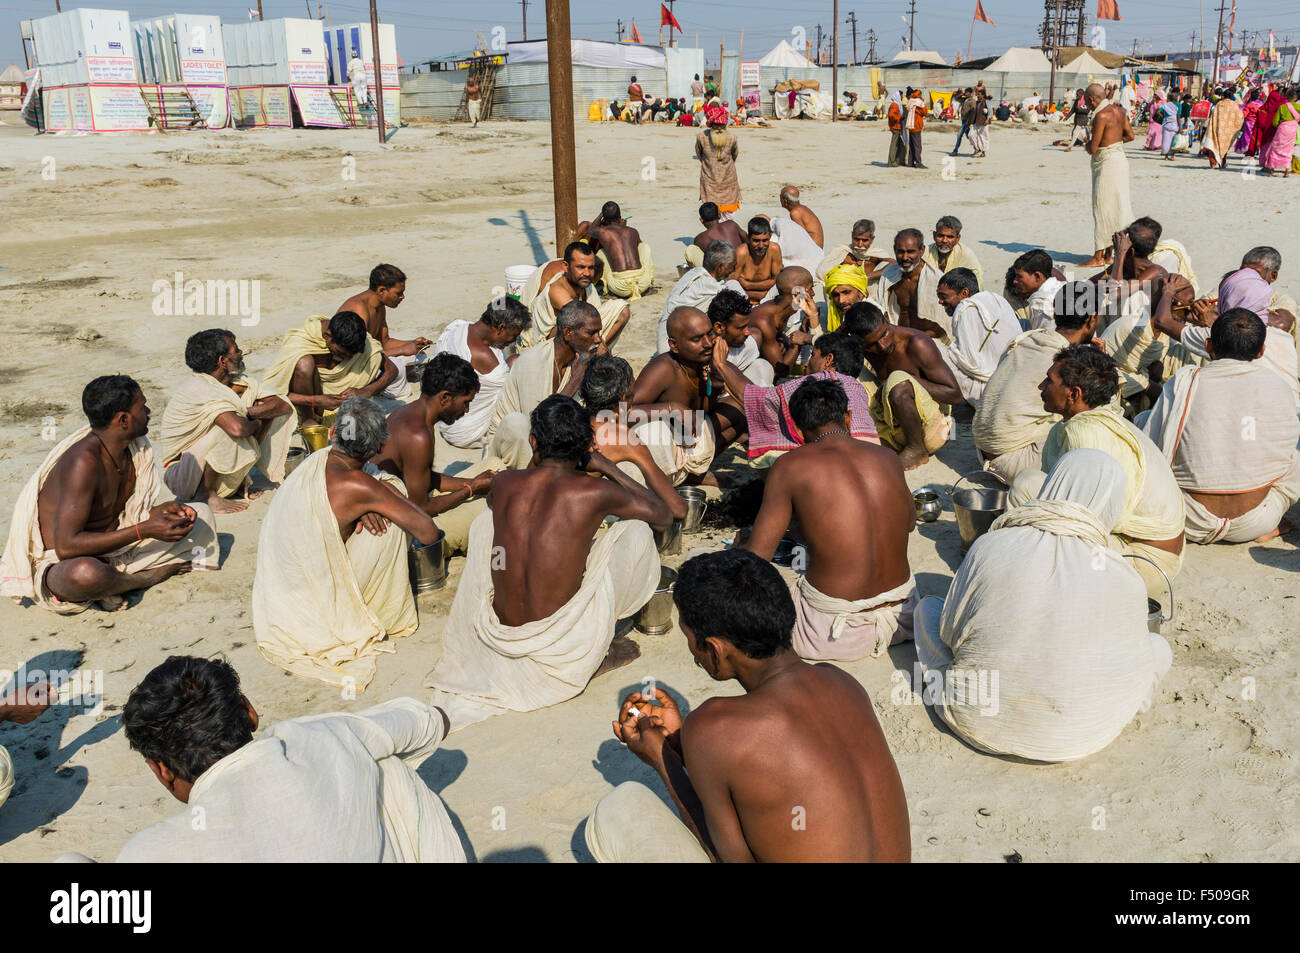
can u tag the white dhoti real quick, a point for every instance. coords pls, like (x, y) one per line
(631, 825)
(1204, 527)
(749, 361)
(1112, 209)
(488, 668)
(471, 431)
(475, 110)
(827, 628)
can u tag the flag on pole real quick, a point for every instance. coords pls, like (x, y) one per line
(252, 14)
(666, 18)
(981, 15)
(634, 35)
(1108, 10)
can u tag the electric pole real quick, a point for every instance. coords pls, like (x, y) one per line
(818, 59)
(852, 20)
(620, 31)
(559, 76)
(1218, 41)
(871, 47)
(524, 4)
(835, 60)
(911, 28)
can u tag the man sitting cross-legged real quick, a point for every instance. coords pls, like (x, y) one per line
(750, 774)
(219, 424)
(908, 289)
(447, 389)
(716, 229)
(533, 619)
(858, 595)
(325, 362)
(629, 268)
(758, 261)
(332, 587)
(88, 526)
(556, 283)
(912, 380)
(983, 326)
(387, 290)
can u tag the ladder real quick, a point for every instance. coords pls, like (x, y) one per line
(171, 108)
(484, 70)
(346, 103)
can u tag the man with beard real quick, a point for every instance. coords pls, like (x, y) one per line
(908, 289)
(557, 283)
(857, 253)
(983, 327)
(948, 252)
(777, 340)
(912, 380)
(758, 261)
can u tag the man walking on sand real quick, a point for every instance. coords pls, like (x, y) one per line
(474, 99)
(1112, 209)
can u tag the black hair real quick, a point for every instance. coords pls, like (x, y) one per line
(580, 248)
(726, 304)
(188, 714)
(759, 226)
(709, 212)
(737, 597)
(1034, 262)
(605, 383)
(205, 348)
(1093, 372)
(562, 429)
(1143, 237)
(385, 276)
(450, 373)
(845, 348)
(106, 397)
(507, 313)
(861, 319)
(818, 402)
(1075, 303)
(610, 212)
(1238, 335)
(348, 331)
(913, 233)
(961, 279)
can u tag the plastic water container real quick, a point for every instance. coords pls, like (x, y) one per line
(516, 277)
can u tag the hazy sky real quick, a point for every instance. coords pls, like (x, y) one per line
(428, 28)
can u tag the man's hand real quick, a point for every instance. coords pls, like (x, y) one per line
(644, 735)
(26, 703)
(350, 392)
(481, 483)
(1204, 311)
(720, 352)
(599, 464)
(1122, 243)
(372, 523)
(658, 703)
(169, 522)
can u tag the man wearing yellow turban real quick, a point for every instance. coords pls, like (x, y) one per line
(846, 285)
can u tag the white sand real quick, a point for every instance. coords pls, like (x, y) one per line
(1204, 775)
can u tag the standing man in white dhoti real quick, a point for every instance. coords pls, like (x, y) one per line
(219, 424)
(1112, 208)
(360, 82)
(336, 788)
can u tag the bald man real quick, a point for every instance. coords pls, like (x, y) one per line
(802, 214)
(1112, 208)
(788, 322)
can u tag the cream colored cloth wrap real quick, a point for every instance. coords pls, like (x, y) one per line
(531, 381)
(1042, 643)
(828, 628)
(488, 668)
(1134, 344)
(628, 284)
(959, 257)
(1011, 425)
(1112, 209)
(338, 788)
(983, 327)
(935, 424)
(323, 608)
(1229, 427)
(27, 559)
(631, 825)
(1279, 353)
(544, 312)
(472, 430)
(676, 459)
(191, 439)
(927, 297)
(357, 371)
(695, 289)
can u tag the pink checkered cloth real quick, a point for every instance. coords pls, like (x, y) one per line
(771, 428)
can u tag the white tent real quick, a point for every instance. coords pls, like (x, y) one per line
(783, 54)
(1084, 64)
(1020, 59)
(919, 56)
(625, 56)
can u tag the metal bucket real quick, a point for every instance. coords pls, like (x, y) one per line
(976, 507)
(669, 541)
(1155, 611)
(427, 565)
(316, 436)
(696, 507)
(656, 616)
(296, 456)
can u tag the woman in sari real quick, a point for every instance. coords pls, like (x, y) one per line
(1155, 135)
(1265, 119)
(1221, 131)
(1276, 157)
(1249, 112)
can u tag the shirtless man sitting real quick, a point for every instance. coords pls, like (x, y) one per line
(88, 526)
(857, 253)
(715, 230)
(912, 380)
(857, 570)
(908, 290)
(769, 322)
(387, 290)
(758, 261)
(1131, 268)
(744, 770)
(570, 279)
(629, 271)
(803, 216)
(345, 336)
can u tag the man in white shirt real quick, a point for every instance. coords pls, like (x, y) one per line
(357, 77)
(983, 326)
(696, 288)
(1032, 279)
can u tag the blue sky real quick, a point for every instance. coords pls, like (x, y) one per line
(428, 28)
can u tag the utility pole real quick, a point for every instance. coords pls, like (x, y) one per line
(524, 4)
(818, 58)
(852, 20)
(1056, 54)
(1218, 42)
(871, 49)
(559, 76)
(911, 28)
(379, 73)
(259, 9)
(620, 31)
(835, 60)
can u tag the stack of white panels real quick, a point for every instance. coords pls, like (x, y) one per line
(84, 46)
(283, 52)
(180, 48)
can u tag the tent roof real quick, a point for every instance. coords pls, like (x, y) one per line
(13, 75)
(1085, 63)
(1021, 59)
(919, 56)
(1111, 61)
(783, 54)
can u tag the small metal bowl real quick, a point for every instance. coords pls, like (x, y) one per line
(928, 506)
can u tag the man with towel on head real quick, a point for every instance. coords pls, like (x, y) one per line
(1011, 425)
(339, 787)
(325, 362)
(696, 288)
(858, 594)
(90, 524)
(332, 588)
(387, 290)
(948, 252)
(570, 279)
(1229, 430)
(219, 424)
(1112, 209)
(1081, 386)
(481, 343)
(983, 325)
(629, 267)
(555, 366)
(908, 289)
(448, 388)
(533, 619)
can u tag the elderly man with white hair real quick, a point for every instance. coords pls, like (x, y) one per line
(908, 288)
(947, 252)
(697, 287)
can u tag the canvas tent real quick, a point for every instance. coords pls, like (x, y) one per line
(785, 55)
(1020, 59)
(927, 57)
(1086, 65)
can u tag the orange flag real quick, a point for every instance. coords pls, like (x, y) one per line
(634, 35)
(1108, 10)
(981, 15)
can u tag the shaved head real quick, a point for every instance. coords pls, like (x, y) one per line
(1095, 93)
(790, 195)
(683, 320)
(791, 277)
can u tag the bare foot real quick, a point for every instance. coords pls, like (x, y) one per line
(221, 505)
(913, 457)
(112, 603)
(151, 577)
(621, 652)
(1283, 528)
(1093, 262)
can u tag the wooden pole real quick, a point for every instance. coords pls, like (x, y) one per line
(559, 75)
(259, 9)
(971, 38)
(835, 60)
(379, 74)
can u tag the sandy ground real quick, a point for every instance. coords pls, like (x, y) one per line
(1204, 775)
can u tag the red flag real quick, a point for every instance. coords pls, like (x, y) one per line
(634, 35)
(981, 15)
(667, 19)
(1108, 10)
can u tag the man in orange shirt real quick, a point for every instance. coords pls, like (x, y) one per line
(915, 123)
(897, 134)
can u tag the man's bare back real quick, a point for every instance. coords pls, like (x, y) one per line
(1110, 126)
(366, 306)
(619, 241)
(808, 220)
(720, 231)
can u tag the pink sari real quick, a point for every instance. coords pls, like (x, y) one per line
(1249, 111)
(1155, 133)
(1278, 154)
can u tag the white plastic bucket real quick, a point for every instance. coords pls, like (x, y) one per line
(516, 277)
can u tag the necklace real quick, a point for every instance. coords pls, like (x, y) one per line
(827, 433)
(111, 458)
